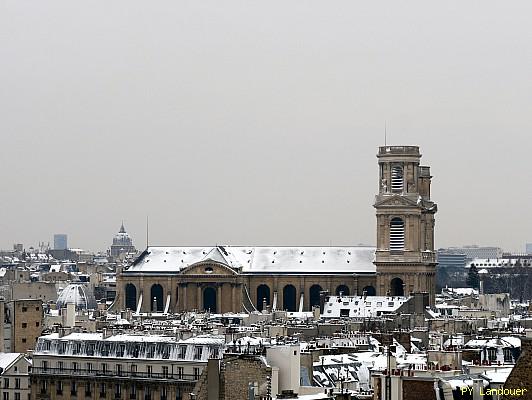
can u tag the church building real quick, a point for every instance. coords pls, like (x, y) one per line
(239, 278)
(122, 244)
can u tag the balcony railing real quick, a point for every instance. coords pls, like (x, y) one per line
(407, 256)
(113, 375)
(427, 256)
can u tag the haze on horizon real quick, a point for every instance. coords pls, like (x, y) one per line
(258, 122)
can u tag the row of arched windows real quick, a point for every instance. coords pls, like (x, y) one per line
(157, 300)
(290, 300)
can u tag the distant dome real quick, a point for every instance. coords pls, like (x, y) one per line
(79, 294)
(122, 238)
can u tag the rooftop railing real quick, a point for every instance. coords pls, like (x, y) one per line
(398, 150)
(114, 374)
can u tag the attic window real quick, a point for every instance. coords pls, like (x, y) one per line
(208, 270)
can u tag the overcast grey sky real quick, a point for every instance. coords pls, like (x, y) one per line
(247, 122)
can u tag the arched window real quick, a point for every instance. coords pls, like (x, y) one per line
(342, 290)
(397, 287)
(369, 291)
(397, 178)
(289, 298)
(314, 295)
(156, 298)
(131, 297)
(397, 234)
(209, 299)
(263, 293)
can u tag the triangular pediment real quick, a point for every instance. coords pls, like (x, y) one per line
(216, 255)
(395, 200)
(208, 267)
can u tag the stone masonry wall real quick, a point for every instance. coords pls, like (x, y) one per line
(237, 374)
(418, 389)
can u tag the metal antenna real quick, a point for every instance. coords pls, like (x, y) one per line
(147, 231)
(384, 133)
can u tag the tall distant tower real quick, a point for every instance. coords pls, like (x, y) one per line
(60, 241)
(405, 259)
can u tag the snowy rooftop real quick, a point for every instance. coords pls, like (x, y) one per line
(460, 291)
(131, 346)
(361, 306)
(506, 341)
(6, 359)
(260, 259)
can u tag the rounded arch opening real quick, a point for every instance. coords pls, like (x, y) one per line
(131, 296)
(314, 295)
(209, 299)
(342, 290)
(397, 234)
(369, 291)
(156, 297)
(263, 294)
(397, 287)
(289, 298)
(397, 178)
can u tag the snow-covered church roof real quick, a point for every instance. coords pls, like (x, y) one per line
(259, 259)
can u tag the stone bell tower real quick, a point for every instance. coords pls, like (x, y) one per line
(405, 259)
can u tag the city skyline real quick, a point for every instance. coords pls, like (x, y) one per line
(248, 124)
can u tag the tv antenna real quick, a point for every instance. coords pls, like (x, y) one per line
(147, 231)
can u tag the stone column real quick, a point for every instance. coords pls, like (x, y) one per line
(184, 296)
(179, 296)
(141, 291)
(306, 303)
(170, 290)
(198, 296)
(233, 297)
(219, 297)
